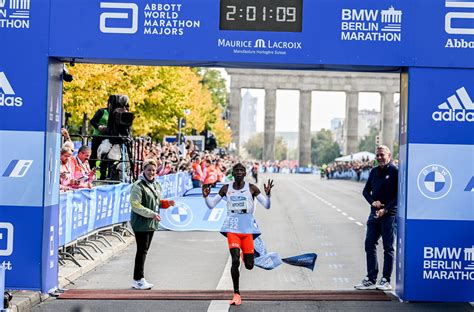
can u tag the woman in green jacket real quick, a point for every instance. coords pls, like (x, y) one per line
(145, 199)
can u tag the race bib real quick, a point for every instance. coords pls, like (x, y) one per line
(237, 204)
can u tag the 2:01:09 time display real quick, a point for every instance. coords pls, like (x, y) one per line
(261, 15)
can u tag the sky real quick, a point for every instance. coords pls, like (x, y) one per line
(325, 106)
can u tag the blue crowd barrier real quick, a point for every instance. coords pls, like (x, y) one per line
(350, 175)
(86, 210)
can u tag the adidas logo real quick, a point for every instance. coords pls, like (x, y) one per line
(458, 107)
(7, 97)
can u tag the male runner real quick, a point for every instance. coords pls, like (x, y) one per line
(240, 227)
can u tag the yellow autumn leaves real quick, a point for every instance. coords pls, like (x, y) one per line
(158, 97)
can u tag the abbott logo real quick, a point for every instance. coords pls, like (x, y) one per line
(17, 168)
(7, 95)
(455, 109)
(119, 16)
(6, 239)
(450, 16)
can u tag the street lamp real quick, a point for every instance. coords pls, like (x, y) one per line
(182, 124)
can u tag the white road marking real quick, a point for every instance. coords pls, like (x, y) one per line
(219, 306)
(225, 283)
(330, 204)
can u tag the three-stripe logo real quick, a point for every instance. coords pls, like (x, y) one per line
(458, 108)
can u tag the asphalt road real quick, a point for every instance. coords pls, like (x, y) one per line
(307, 215)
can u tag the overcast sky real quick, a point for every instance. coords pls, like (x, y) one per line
(324, 107)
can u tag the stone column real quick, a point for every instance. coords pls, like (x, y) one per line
(304, 142)
(269, 130)
(235, 102)
(351, 124)
(388, 121)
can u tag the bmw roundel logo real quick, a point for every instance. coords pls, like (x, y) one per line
(179, 215)
(434, 181)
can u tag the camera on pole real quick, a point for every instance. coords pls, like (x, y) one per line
(120, 119)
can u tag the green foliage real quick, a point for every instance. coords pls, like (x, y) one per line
(216, 84)
(324, 148)
(367, 143)
(158, 98)
(254, 147)
(281, 149)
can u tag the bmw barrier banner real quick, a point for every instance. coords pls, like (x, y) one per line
(85, 210)
(192, 214)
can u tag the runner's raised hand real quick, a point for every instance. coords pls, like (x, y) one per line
(268, 187)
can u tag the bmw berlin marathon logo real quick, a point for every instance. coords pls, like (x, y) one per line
(434, 181)
(180, 215)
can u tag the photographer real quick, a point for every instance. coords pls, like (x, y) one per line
(99, 123)
(119, 129)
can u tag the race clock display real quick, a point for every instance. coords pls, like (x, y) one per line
(261, 15)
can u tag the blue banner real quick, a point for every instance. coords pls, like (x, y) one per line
(436, 184)
(440, 185)
(441, 100)
(441, 264)
(191, 213)
(85, 210)
(306, 260)
(20, 251)
(21, 168)
(380, 33)
(270, 260)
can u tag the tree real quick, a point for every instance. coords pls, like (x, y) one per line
(158, 98)
(216, 84)
(367, 143)
(254, 147)
(324, 148)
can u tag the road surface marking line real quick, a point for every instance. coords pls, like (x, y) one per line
(219, 306)
(359, 224)
(225, 283)
(351, 218)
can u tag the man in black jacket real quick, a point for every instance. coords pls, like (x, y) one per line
(380, 191)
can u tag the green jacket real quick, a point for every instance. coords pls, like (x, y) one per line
(145, 201)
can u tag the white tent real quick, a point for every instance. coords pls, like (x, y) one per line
(357, 156)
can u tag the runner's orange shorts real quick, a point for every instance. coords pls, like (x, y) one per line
(242, 241)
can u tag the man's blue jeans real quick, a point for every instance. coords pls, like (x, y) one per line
(386, 228)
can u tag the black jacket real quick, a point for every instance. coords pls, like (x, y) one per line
(382, 185)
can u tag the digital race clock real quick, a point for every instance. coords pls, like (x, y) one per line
(261, 15)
